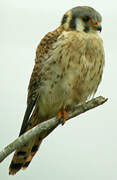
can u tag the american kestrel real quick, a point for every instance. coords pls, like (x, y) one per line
(68, 69)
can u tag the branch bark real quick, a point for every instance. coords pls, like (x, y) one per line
(49, 125)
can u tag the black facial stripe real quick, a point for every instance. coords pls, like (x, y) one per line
(73, 23)
(86, 29)
(86, 18)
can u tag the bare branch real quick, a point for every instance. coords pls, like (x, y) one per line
(49, 125)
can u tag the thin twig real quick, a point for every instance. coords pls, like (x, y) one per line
(49, 125)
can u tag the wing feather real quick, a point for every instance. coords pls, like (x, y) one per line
(42, 49)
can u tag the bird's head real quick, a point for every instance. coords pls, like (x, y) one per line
(82, 19)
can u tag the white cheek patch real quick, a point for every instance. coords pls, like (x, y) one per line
(79, 25)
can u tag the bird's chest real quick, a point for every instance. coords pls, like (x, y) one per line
(72, 73)
(83, 63)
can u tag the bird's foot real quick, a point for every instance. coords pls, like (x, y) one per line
(62, 114)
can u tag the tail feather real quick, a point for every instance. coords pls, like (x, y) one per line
(33, 151)
(23, 156)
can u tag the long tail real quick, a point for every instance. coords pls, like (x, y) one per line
(23, 156)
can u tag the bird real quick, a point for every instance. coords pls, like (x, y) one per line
(68, 69)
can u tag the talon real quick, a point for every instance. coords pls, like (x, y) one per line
(59, 114)
(64, 115)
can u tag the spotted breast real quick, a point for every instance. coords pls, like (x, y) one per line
(72, 73)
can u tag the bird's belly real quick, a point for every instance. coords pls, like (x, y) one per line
(51, 99)
(72, 78)
(74, 87)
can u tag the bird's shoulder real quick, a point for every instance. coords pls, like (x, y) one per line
(42, 50)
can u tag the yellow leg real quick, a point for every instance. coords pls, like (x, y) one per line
(64, 115)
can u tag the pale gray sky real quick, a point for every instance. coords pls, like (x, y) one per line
(85, 148)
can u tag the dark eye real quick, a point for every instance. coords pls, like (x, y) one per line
(86, 18)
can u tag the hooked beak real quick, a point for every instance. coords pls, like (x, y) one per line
(98, 27)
